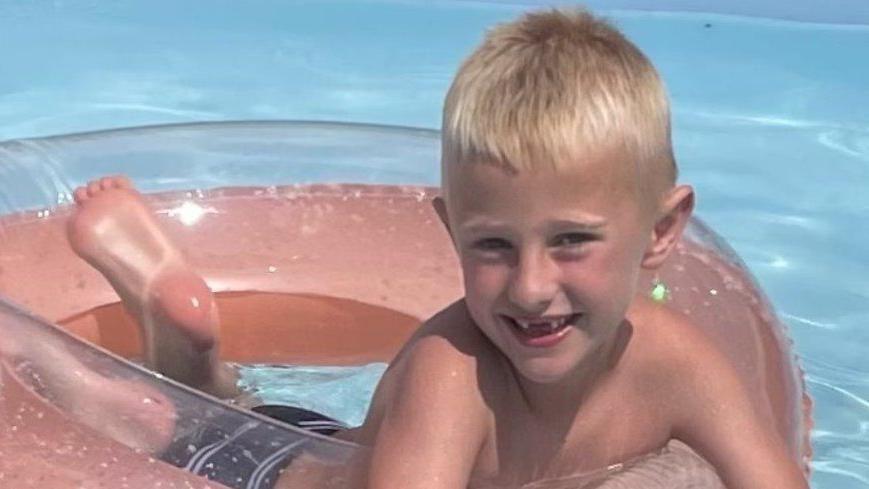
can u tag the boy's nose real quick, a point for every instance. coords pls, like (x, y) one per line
(534, 284)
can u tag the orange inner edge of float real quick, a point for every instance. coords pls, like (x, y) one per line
(267, 327)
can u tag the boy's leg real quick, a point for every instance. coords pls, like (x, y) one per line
(115, 231)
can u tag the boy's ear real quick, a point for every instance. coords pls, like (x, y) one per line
(673, 215)
(441, 208)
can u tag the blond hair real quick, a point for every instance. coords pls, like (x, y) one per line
(552, 85)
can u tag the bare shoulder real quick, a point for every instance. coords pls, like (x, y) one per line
(663, 342)
(433, 392)
(448, 346)
(671, 341)
(442, 371)
(693, 369)
(672, 356)
(450, 332)
(707, 403)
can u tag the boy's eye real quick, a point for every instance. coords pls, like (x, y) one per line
(492, 244)
(570, 239)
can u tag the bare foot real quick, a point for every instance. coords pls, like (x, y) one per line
(115, 231)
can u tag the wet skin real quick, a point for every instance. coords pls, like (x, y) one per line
(117, 233)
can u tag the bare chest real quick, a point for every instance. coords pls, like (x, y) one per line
(615, 426)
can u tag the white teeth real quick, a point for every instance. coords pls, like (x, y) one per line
(553, 325)
(523, 324)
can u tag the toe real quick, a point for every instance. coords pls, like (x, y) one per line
(80, 194)
(93, 187)
(107, 183)
(122, 181)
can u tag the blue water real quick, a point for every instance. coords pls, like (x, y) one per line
(770, 125)
(342, 393)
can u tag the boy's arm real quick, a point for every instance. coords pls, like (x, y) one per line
(715, 416)
(435, 423)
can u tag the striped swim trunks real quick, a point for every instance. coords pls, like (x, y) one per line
(240, 458)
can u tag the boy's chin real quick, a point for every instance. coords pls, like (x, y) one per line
(545, 370)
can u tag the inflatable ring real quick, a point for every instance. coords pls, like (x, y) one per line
(285, 220)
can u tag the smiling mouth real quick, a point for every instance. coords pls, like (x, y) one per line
(539, 328)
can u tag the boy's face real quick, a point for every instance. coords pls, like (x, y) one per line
(550, 257)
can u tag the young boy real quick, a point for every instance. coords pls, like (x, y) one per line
(558, 190)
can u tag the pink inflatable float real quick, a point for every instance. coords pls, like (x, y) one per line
(321, 244)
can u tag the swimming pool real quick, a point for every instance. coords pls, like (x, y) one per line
(770, 125)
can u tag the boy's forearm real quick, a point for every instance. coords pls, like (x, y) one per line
(766, 474)
(310, 472)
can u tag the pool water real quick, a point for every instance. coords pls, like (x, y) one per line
(341, 392)
(770, 126)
